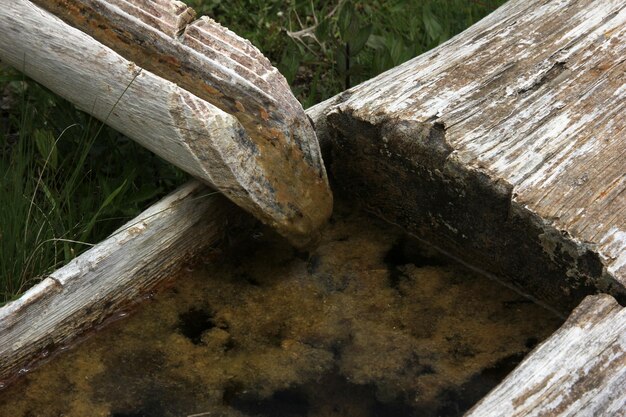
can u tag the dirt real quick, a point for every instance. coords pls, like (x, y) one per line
(371, 323)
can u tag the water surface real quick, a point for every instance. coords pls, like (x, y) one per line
(370, 323)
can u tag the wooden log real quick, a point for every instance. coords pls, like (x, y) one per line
(111, 276)
(436, 177)
(505, 146)
(152, 84)
(579, 371)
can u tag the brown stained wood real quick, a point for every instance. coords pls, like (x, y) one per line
(505, 146)
(579, 371)
(170, 121)
(111, 276)
(216, 65)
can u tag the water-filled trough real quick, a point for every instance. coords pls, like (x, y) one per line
(502, 148)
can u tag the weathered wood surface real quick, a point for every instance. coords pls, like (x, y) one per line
(579, 371)
(112, 275)
(158, 82)
(505, 146)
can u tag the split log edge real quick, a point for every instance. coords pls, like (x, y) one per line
(504, 147)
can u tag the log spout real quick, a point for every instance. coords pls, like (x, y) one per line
(191, 91)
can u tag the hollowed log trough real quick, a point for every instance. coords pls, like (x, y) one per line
(503, 147)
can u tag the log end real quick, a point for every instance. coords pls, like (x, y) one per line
(295, 198)
(276, 172)
(307, 209)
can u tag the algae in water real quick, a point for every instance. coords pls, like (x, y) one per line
(370, 323)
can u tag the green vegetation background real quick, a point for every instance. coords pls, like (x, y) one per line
(67, 181)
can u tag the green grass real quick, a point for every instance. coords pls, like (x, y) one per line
(324, 47)
(67, 181)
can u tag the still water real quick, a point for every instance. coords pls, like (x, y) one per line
(371, 323)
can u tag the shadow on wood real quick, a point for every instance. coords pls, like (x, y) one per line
(504, 147)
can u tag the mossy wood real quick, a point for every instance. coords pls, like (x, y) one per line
(112, 276)
(191, 91)
(503, 147)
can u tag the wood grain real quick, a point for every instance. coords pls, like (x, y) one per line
(111, 276)
(159, 81)
(505, 146)
(579, 371)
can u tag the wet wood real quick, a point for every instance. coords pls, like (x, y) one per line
(505, 146)
(174, 84)
(111, 276)
(579, 371)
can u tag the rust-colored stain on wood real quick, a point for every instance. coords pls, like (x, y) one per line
(216, 65)
(263, 114)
